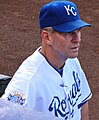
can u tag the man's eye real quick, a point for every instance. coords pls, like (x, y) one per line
(65, 34)
(70, 33)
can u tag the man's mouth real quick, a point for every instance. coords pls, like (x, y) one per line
(75, 48)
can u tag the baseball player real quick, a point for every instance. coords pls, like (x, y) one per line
(51, 80)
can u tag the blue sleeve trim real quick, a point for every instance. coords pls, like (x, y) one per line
(84, 101)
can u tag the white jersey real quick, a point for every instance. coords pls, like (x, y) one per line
(37, 85)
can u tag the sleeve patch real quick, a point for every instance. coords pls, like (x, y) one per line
(16, 98)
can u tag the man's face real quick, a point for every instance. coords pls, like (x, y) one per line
(66, 45)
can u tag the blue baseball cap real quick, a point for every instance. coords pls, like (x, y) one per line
(61, 15)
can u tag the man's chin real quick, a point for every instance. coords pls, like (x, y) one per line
(73, 56)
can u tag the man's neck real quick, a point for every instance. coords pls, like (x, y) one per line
(53, 59)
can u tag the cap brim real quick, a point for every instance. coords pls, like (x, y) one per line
(71, 26)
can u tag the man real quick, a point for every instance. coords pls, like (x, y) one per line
(51, 80)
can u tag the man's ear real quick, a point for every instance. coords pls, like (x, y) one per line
(46, 37)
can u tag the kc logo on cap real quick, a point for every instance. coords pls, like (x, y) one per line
(70, 9)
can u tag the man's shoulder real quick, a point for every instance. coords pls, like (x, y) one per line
(35, 59)
(31, 64)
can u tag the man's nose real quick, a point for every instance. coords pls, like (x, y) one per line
(76, 37)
